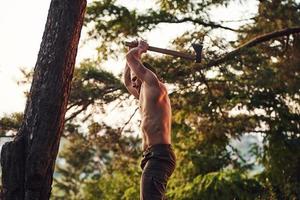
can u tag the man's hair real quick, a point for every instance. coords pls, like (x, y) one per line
(148, 66)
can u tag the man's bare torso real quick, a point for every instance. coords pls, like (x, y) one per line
(155, 112)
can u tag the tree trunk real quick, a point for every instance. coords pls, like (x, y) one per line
(28, 161)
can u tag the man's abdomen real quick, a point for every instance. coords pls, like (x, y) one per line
(155, 132)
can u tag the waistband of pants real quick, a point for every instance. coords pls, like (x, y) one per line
(157, 147)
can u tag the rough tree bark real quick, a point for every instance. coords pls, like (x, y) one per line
(28, 161)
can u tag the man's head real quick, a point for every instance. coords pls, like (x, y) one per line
(135, 81)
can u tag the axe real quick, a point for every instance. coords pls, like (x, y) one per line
(196, 57)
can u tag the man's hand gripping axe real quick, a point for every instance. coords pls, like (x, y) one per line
(196, 57)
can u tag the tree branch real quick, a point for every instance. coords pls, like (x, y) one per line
(214, 99)
(121, 130)
(206, 24)
(7, 136)
(168, 18)
(255, 41)
(79, 111)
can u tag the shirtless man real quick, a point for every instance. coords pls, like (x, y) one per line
(158, 161)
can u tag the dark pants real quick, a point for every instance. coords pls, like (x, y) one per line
(158, 164)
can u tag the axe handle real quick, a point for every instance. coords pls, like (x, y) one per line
(166, 51)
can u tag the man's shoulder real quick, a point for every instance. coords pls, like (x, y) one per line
(160, 85)
(157, 89)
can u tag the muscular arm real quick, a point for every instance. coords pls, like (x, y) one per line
(133, 61)
(127, 82)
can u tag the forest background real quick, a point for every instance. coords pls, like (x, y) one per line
(235, 125)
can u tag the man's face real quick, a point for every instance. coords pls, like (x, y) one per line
(136, 83)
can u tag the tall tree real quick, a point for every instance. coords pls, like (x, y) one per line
(28, 161)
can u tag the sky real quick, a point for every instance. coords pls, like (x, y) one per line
(20, 36)
(21, 28)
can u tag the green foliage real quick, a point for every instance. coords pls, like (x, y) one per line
(97, 165)
(92, 86)
(120, 185)
(74, 166)
(282, 166)
(113, 23)
(10, 122)
(257, 91)
(273, 73)
(218, 185)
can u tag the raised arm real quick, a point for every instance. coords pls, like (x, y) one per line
(127, 82)
(133, 60)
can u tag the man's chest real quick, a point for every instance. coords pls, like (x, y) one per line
(149, 97)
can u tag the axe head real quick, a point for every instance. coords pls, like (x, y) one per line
(198, 50)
